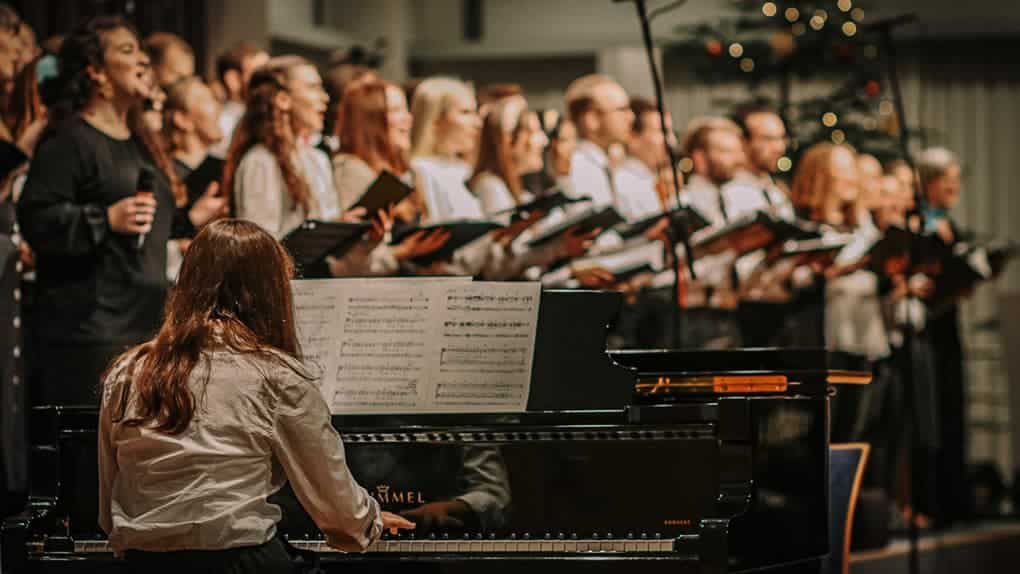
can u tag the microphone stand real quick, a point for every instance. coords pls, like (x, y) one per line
(884, 29)
(646, 34)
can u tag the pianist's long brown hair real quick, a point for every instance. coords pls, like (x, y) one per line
(233, 293)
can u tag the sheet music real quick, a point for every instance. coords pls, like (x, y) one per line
(318, 306)
(419, 345)
(486, 344)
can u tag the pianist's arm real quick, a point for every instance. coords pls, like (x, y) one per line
(311, 454)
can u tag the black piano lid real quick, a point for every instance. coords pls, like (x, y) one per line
(810, 368)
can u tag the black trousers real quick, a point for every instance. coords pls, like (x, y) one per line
(268, 558)
(953, 489)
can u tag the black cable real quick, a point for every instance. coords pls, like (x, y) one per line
(646, 33)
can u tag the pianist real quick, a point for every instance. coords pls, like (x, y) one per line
(199, 425)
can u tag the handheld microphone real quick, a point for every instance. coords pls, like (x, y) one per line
(144, 188)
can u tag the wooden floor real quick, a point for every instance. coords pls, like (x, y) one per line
(992, 548)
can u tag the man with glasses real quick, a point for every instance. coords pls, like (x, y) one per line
(764, 301)
(765, 141)
(600, 109)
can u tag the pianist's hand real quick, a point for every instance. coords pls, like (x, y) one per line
(443, 515)
(395, 522)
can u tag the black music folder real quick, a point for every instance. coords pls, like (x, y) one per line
(386, 190)
(964, 266)
(545, 202)
(812, 248)
(313, 240)
(677, 217)
(197, 182)
(462, 232)
(749, 233)
(603, 218)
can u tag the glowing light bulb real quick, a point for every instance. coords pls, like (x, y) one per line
(747, 65)
(849, 28)
(769, 9)
(792, 14)
(736, 50)
(857, 14)
(817, 23)
(784, 164)
(686, 165)
(838, 136)
(845, 5)
(829, 119)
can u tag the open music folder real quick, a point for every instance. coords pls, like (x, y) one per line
(313, 240)
(462, 232)
(749, 233)
(386, 190)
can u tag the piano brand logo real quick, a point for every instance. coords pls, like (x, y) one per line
(384, 495)
(682, 522)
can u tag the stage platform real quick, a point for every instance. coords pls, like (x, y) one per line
(990, 548)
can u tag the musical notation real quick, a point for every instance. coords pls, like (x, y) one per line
(395, 346)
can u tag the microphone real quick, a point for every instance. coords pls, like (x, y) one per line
(144, 188)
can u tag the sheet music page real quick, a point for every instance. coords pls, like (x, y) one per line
(419, 345)
(485, 348)
(321, 307)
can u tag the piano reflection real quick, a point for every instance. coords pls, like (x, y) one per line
(625, 461)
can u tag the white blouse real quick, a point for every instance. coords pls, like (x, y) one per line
(261, 196)
(257, 423)
(443, 184)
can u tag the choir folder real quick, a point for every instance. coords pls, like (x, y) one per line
(588, 220)
(462, 232)
(313, 240)
(677, 217)
(207, 172)
(749, 233)
(386, 190)
(543, 203)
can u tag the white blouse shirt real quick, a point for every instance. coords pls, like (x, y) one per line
(261, 196)
(635, 185)
(443, 184)
(257, 424)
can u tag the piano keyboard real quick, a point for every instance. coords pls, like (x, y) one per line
(459, 546)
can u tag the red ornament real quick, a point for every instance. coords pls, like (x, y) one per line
(714, 47)
(873, 88)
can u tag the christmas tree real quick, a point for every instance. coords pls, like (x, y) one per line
(779, 42)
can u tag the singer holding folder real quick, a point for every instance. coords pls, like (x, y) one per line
(100, 288)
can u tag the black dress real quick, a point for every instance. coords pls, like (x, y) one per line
(12, 400)
(98, 292)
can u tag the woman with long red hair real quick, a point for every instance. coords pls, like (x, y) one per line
(197, 423)
(373, 126)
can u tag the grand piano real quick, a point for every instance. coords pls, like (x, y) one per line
(651, 461)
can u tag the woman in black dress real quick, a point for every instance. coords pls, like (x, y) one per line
(100, 244)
